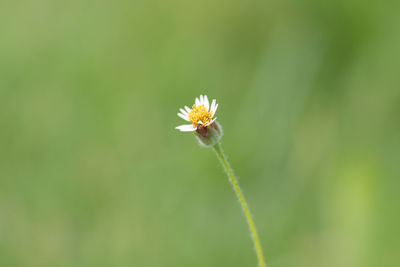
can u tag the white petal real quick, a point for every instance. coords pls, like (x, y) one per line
(197, 102)
(211, 122)
(186, 128)
(187, 109)
(206, 103)
(215, 110)
(201, 100)
(199, 122)
(184, 112)
(185, 117)
(213, 106)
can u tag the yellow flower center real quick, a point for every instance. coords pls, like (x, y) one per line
(199, 114)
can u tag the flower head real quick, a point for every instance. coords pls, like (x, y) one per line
(201, 115)
(207, 131)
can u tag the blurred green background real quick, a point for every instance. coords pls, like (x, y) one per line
(93, 173)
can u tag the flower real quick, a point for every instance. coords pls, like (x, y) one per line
(201, 115)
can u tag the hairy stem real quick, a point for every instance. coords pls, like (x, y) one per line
(253, 231)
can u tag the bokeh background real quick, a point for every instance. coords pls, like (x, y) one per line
(93, 173)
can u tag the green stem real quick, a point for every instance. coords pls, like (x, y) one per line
(257, 246)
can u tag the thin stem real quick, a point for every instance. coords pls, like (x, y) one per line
(257, 246)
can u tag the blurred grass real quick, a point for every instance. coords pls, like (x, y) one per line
(93, 173)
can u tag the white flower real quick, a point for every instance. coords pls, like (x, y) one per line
(200, 115)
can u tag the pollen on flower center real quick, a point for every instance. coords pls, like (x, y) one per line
(199, 113)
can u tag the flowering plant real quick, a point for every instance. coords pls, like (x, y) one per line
(209, 132)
